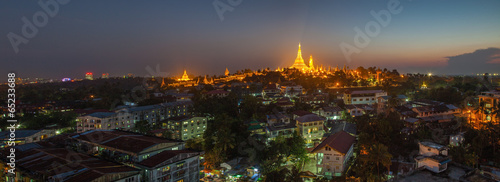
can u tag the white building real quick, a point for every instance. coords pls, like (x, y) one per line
(173, 166)
(363, 96)
(334, 153)
(125, 118)
(290, 91)
(433, 157)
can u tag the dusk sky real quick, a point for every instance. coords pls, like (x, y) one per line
(118, 37)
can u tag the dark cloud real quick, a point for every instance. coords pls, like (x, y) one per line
(479, 61)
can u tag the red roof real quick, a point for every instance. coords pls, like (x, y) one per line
(340, 141)
(162, 157)
(301, 113)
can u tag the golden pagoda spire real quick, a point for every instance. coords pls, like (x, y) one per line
(226, 72)
(184, 77)
(311, 64)
(163, 83)
(299, 62)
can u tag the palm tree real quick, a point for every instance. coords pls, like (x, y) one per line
(225, 140)
(294, 175)
(480, 109)
(495, 111)
(378, 154)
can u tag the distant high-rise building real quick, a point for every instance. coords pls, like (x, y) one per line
(89, 76)
(105, 75)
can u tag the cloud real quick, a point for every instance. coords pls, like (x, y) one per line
(479, 61)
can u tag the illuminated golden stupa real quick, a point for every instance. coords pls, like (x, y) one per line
(299, 62)
(184, 77)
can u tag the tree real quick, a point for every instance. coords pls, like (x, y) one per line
(142, 127)
(378, 154)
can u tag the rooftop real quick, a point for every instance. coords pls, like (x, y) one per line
(101, 114)
(161, 157)
(79, 167)
(121, 140)
(366, 91)
(433, 145)
(309, 118)
(19, 133)
(340, 141)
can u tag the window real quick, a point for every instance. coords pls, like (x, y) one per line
(165, 169)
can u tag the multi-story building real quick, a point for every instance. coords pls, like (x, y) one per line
(314, 99)
(280, 129)
(172, 166)
(490, 101)
(216, 93)
(125, 118)
(363, 96)
(330, 113)
(89, 76)
(277, 117)
(186, 127)
(311, 128)
(291, 90)
(25, 136)
(95, 121)
(42, 161)
(433, 157)
(441, 112)
(159, 159)
(333, 153)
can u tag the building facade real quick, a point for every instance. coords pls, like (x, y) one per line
(333, 153)
(311, 128)
(186, 127)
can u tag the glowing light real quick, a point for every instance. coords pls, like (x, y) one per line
(429, 74)
(184, 77)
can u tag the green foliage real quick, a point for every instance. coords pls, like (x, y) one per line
(143, 127)
(283, 150)
(40, 121)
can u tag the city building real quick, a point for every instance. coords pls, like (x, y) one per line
(172, 166)
(126, 147)
(186, 127)
(216, 93)
(363, 96)
(89, 76)
(95, 121)
(125, 117)
(330, 113)
(311, 128)
(42, 161)
(433, 157)
(291, 90)
(314, 99)
(280, 129)
(359, 109)
(333, 153)
(489, 102)
(25, 136)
